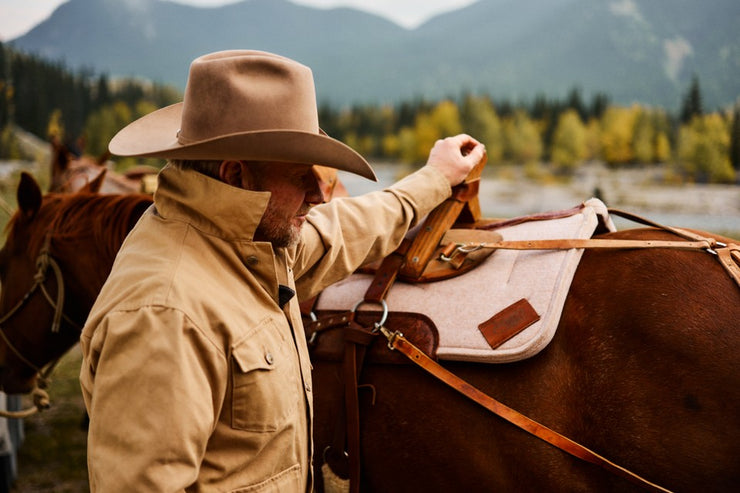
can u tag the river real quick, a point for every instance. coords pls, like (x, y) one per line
(507, 193)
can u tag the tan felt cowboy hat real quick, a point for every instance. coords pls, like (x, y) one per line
(241, 105)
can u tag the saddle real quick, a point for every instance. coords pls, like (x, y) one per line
(422, 288)
(496, 307)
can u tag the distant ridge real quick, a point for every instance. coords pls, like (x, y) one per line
(633, 50)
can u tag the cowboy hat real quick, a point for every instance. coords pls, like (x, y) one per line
(241, 105)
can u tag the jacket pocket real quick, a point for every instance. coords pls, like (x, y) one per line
(287, 480)
(264, 377)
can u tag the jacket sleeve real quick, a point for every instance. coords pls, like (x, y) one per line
(345, 233)
(153, 367)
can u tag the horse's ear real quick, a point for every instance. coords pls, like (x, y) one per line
(29, 196)
(94, 186)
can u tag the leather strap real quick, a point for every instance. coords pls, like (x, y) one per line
(357, 339)
(386, 274)
(729, 257)
(397, 341)
(565, 244)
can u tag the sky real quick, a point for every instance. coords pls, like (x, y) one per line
(18, 16)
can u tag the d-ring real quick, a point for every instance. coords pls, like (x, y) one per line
(383, 318)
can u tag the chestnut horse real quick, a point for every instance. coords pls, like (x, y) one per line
(642, 369)
(70, 173)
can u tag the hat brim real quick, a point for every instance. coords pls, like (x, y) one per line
(155, 135)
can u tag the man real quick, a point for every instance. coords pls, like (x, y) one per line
(196, 373)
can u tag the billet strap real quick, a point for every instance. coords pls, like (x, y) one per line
(397, 341)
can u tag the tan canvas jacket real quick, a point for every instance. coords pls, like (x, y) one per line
(195, 379)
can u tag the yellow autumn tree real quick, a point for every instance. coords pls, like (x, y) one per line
(441, 121)
(593, 139)
(522, 139)
(568, 146)
(643, 137)
(703, 149)
(617, 129)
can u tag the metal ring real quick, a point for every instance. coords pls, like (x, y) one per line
(468, 248)
(328, 447)
(383, 318)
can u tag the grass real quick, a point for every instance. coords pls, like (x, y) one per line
(53, 457)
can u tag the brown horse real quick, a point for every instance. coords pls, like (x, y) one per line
(72, 237)
(642, 369)
(70, 173)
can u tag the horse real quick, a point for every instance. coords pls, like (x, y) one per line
(642, 368)
(60, 243)
(72, 171)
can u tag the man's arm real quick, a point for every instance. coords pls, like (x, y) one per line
(346, 233)
(154, 404)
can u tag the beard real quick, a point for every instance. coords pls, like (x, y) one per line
(277, 230)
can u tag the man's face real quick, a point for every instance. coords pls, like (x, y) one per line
(295, 189)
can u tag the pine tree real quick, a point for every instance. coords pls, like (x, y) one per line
(735, 138)
(692, 104)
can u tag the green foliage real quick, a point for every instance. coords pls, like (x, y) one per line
(9, 148)
(692, 102)
(48, 100)
(735, 138)
(103, 124)
(479, 119)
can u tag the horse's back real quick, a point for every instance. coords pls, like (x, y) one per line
(642, 370)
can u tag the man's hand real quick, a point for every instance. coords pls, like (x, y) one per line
(456, 156)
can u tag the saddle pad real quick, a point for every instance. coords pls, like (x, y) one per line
(458, 305)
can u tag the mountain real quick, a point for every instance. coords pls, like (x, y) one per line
(632, 50)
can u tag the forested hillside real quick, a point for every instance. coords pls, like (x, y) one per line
(643, 51)
(86, 109)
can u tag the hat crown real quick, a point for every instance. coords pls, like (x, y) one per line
(241, 105)
(239, 91)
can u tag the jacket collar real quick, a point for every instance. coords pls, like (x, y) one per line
(209, 205)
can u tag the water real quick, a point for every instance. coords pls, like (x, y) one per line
(699, 206)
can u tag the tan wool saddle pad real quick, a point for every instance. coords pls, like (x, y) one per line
(508, 281)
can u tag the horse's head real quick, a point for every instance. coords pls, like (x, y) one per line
(73, 171)
(22, 301)
(58, 252)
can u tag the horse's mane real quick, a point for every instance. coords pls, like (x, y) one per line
(68, 217)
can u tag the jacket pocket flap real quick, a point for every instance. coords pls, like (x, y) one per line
(250, 357)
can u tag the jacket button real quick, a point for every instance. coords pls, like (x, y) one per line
(269, 358)
(252, 260)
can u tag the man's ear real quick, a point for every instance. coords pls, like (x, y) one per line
(236, 173)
